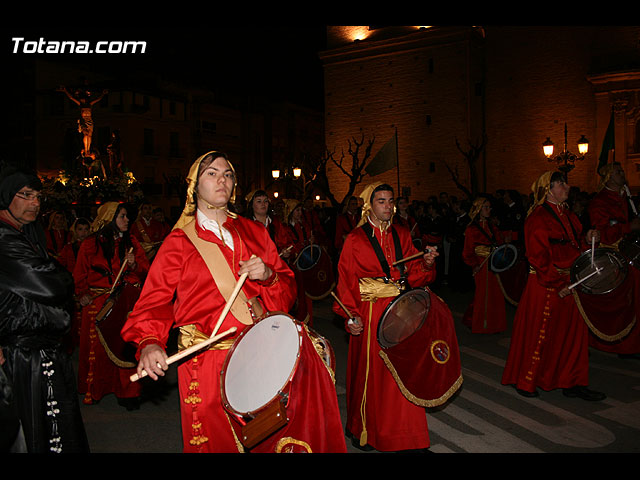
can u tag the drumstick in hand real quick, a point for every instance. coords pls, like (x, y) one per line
(346, 310)
(124, 264)
(411, 257)
(574, 285)
(184, 353)
(214, 337)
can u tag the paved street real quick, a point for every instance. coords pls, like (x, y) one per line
(484, 417)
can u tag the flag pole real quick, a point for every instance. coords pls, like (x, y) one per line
(397, 163)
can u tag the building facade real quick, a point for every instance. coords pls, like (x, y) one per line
(477, 103)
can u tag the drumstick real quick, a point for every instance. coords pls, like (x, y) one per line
(286, 250)
(124, 264)
(597, 270)
(188, 351)
(346, 310)
(213, 338)
(633, 205)
(411, 257)
(593, 249)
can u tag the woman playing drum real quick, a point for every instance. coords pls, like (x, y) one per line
(486, 312)
(99, 260)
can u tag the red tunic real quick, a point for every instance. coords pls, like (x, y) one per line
(56, 240)
(297, 238)
(345, 222)
(486, 312)
(97, 374)
(549, 342)
(609, 214)
(179, 291)
(392, 422)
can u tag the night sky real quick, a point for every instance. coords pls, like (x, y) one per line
(279, 62)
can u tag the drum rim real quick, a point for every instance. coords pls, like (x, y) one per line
(388, 307)
(508, 246)
(310, 246)
(223, 373)
(587, 254)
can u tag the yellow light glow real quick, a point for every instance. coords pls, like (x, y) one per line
(275, 194)
(297, 172)
(275, 173)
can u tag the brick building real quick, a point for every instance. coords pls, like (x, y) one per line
(515, 85)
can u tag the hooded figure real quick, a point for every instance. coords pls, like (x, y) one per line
(36, 295)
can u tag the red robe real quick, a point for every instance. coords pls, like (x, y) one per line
(486, 312)
(179, 291)
(149, 235)
(609, 214)
(56, 240)
(297, 237)
(98, 375)
(550, 341)
(345, 222)
(392, 422)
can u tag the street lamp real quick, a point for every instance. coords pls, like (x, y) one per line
(565, 159)
(275, 174)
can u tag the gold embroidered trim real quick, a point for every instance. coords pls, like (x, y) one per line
(596, 331)
(504, 293)
(284, 441)
(435, 402)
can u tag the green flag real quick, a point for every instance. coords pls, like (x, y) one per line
(608, 143)
(385, 159)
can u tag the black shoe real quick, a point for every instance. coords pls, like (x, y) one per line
(583, 393)
(524, 393)
(129, 403)
(629, 356)
(356, 443)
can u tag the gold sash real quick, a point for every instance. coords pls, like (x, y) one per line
(223, 276)
(190, 335)
(373, 288)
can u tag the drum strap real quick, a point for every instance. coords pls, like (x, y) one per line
(378, 249)
(223, 277)
(555, 215)
(491, 237)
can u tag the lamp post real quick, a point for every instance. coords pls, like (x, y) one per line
(565, 159)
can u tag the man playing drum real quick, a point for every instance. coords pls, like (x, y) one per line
(609, 213)
(179, 291)
(379, 415)
(550, 341)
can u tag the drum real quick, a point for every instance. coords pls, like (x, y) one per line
(110, 320)
(503, 258)
(629, 248)
(314, 264)
(403, 316)
(612, 266)
(257, 374)
(422, 352)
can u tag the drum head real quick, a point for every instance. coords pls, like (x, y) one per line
(261, 363)
(403, 317)
(503, 258)
(613, 271)
(308, 257)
